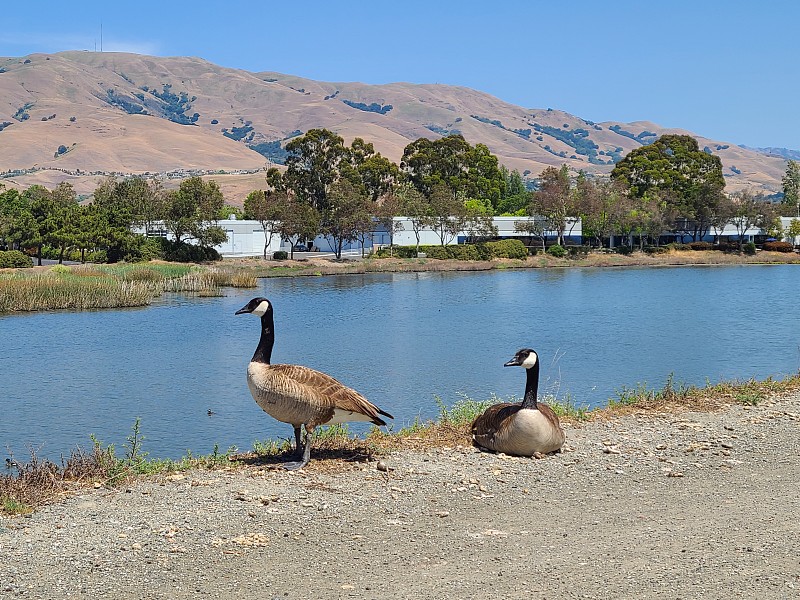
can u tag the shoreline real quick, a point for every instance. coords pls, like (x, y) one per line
(648, 505)
(259, 267)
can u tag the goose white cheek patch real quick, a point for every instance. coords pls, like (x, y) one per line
(261, 309)
(530, 361)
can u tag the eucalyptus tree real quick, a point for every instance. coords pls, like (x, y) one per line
(314, 163)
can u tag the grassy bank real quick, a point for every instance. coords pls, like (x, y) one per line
(110, 286)
(26, 486)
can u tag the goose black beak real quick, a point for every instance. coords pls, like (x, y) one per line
(242, 310)
(512, 363)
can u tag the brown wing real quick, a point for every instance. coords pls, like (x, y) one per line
(486, 426)
(326, 394)
(551, 416)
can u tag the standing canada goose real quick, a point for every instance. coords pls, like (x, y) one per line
(520, 429)
(299, 395)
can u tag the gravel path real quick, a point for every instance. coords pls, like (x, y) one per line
(689, 505)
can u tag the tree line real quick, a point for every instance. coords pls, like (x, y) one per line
(446, 185)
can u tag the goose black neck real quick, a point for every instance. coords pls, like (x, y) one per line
(263, 352)
(531, 387)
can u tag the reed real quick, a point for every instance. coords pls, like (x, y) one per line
(48, 291)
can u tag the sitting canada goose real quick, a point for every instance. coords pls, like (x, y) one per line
(520, 429)
(299, 395)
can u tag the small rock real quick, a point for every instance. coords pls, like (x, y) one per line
(674, 474)
(382, 466)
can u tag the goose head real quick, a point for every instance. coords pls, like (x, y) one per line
(526, 357)
(257, 306)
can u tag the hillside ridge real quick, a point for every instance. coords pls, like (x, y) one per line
(69, 114)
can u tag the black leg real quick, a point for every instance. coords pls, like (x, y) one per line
(298, 441)
(304, 457)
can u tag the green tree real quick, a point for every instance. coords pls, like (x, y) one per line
(691, 180)
(268, 208)
(416, 208)
(348, 215)
(468, 171)
(388, 207)
(298, 221)
(750, 210)
(791, 187)
(555, 201)
(193, 211)
(313, 165)
(61, 224)
(516, 197)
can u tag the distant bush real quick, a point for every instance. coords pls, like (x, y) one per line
(749, 248)
(678, 246)
(280, 255)
(183, 252)
(578, 251)
(701, 246)
(656, 249)
(14, 259)
(727, 246)
(624, 250)
(72, 119)
(557, 251)
(778, 247)
(507, 249)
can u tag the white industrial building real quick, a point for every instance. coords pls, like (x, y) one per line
(247, 238)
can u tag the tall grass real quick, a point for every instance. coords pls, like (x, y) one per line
(84, 287)
(46, 291)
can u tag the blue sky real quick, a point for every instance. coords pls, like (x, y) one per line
(728, 70)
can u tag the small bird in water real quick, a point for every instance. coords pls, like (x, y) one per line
(525, 428)
(210, 412)
(298, 395)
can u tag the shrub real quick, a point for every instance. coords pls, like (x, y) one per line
(280, 255)
(507, 249)
(464, 252)
(14, 259)
(183, 252)
(436, 252)
(701, 246)
(749, 248)
(624, 250)
(557, 251)
(678, 246)
(578, 251)
(656, 249)
(778, 247)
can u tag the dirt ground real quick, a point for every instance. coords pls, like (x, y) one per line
(690, 505)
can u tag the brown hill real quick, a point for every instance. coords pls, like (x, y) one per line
(79, 115)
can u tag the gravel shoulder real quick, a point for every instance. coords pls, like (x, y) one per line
(682, 505)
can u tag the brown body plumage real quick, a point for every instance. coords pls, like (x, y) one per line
(302, 396)
(298, 395)
(522, 428)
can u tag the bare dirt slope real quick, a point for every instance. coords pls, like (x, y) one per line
(690, 505)
(128, 113)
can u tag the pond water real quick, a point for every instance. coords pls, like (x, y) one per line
(400, 339)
